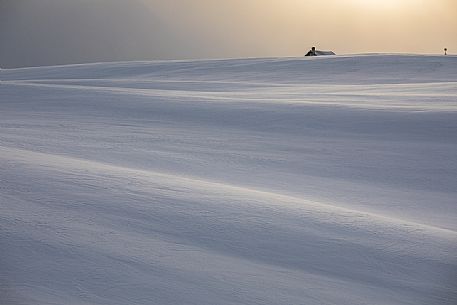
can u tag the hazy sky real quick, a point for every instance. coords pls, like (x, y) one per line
(45, 32)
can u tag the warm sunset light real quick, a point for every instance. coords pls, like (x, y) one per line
(119, 29)
(383, 4)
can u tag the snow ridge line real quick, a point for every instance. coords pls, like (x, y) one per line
(133, 91)
(205, 96)
(54, 161)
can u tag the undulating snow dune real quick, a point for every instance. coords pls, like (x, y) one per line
(329, 180)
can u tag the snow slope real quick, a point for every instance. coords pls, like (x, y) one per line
(328, 180)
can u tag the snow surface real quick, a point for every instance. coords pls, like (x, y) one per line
(329, 180)
(319, 52)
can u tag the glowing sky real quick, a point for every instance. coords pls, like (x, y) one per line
(36, 32)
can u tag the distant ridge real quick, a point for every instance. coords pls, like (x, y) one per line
(379, 68)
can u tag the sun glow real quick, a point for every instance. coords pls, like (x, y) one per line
(386, 4)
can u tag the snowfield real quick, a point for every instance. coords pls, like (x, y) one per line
(328, 180)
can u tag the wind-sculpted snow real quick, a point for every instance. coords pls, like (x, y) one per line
(257, 181)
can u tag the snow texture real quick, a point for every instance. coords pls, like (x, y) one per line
(328, 180)
(318, 52)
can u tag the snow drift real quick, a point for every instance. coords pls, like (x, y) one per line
(321, 53)
(327, 180)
